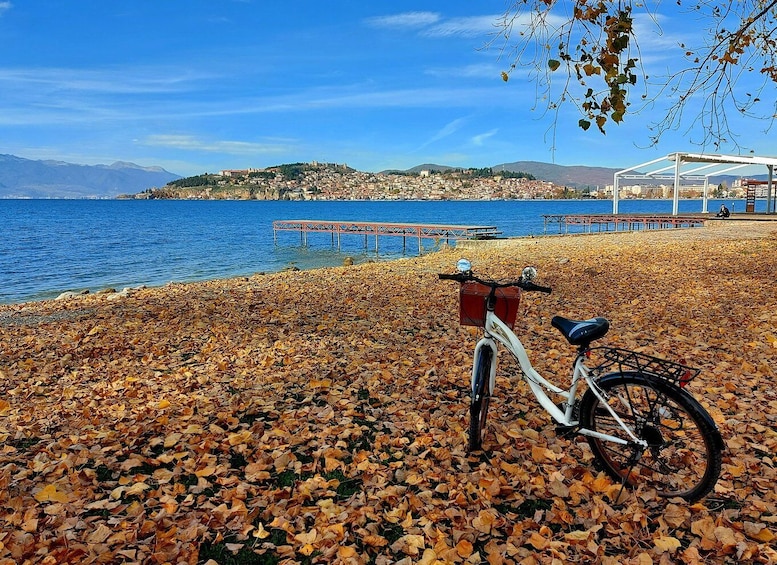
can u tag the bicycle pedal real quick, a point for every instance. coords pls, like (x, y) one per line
(566, 431)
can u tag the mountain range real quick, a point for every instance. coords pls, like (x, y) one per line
(561, 175)
(26, 178)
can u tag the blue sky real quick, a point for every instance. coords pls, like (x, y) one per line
(198, 86)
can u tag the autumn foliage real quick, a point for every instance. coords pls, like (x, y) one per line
(321, 416)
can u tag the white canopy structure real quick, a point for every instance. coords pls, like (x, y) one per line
(677, 170)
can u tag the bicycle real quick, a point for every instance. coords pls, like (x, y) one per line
(640, 422)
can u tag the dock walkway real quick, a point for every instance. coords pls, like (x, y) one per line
(376, 229)
(621, 222)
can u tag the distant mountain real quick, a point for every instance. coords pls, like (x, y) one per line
(572, 176)
(577, 176)
(25, 178)
(430, 167)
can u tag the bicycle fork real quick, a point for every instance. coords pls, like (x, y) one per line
(490, 344)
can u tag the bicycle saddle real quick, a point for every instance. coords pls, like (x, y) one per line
(581, 332)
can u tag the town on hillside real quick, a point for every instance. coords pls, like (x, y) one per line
(317, 181)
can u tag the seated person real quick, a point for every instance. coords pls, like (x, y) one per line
(724, 213)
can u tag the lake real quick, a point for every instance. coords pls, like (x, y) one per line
(51, 246)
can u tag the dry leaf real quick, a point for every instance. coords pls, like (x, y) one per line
(322, 415)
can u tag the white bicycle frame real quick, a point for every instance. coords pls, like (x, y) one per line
(497, 330)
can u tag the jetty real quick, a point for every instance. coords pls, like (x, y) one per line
(377, 229)
(588, 223)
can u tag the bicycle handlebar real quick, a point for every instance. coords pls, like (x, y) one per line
(527, 286)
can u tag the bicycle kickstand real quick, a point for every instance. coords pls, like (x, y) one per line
(633, 460)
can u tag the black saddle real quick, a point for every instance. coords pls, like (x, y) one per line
(581, 332)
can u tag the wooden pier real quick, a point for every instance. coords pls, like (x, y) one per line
(377, 229)
(589, 223)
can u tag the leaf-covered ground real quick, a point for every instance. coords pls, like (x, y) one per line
(320, 417)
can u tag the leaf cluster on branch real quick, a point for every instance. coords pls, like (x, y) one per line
(593, 47)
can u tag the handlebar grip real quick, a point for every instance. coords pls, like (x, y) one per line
(530, 286)
(447, 277)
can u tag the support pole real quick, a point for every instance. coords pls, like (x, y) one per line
(676, 199)
(704, 208)
(615, 190)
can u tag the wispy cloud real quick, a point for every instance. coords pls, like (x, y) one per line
(467, 27)
(4, 6)
(487, 71)
(449, 129)
(405, 20)
(192, 143)
(110, 80)
(432, 24)
(481, 138)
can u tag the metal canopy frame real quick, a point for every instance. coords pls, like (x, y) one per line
(715, 164)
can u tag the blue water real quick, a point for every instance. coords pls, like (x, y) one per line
(51, 246)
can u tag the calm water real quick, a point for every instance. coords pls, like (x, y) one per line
(50, 246)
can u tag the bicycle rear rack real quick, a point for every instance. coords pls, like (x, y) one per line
(624, 359)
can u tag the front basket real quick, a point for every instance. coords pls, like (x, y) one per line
(472, 301)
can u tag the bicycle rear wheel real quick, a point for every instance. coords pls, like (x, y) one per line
(481, 397)
(683, 456)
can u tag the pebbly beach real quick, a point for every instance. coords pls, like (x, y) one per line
(320, 416)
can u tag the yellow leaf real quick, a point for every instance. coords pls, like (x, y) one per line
(99, 535)
(375, 541)
(308, 537)
(206, 471)
(537, 541)
(239, 437)
(676, 515)
(644, 559)
(49, 493)
(484, 522)
(260, 532)
(428, 558)
(704, 528)
(163, 404)
(577, 535)
(725, 536)
(666, 543)
(464, 548)
(172, 439)
(758, 532)
(136, 489)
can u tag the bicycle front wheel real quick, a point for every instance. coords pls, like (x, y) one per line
(683, 454)
(481, 397)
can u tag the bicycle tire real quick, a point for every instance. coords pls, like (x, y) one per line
(481, 398)
(683, 457)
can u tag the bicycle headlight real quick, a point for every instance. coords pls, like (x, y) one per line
(464, 266)
(529, 273)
